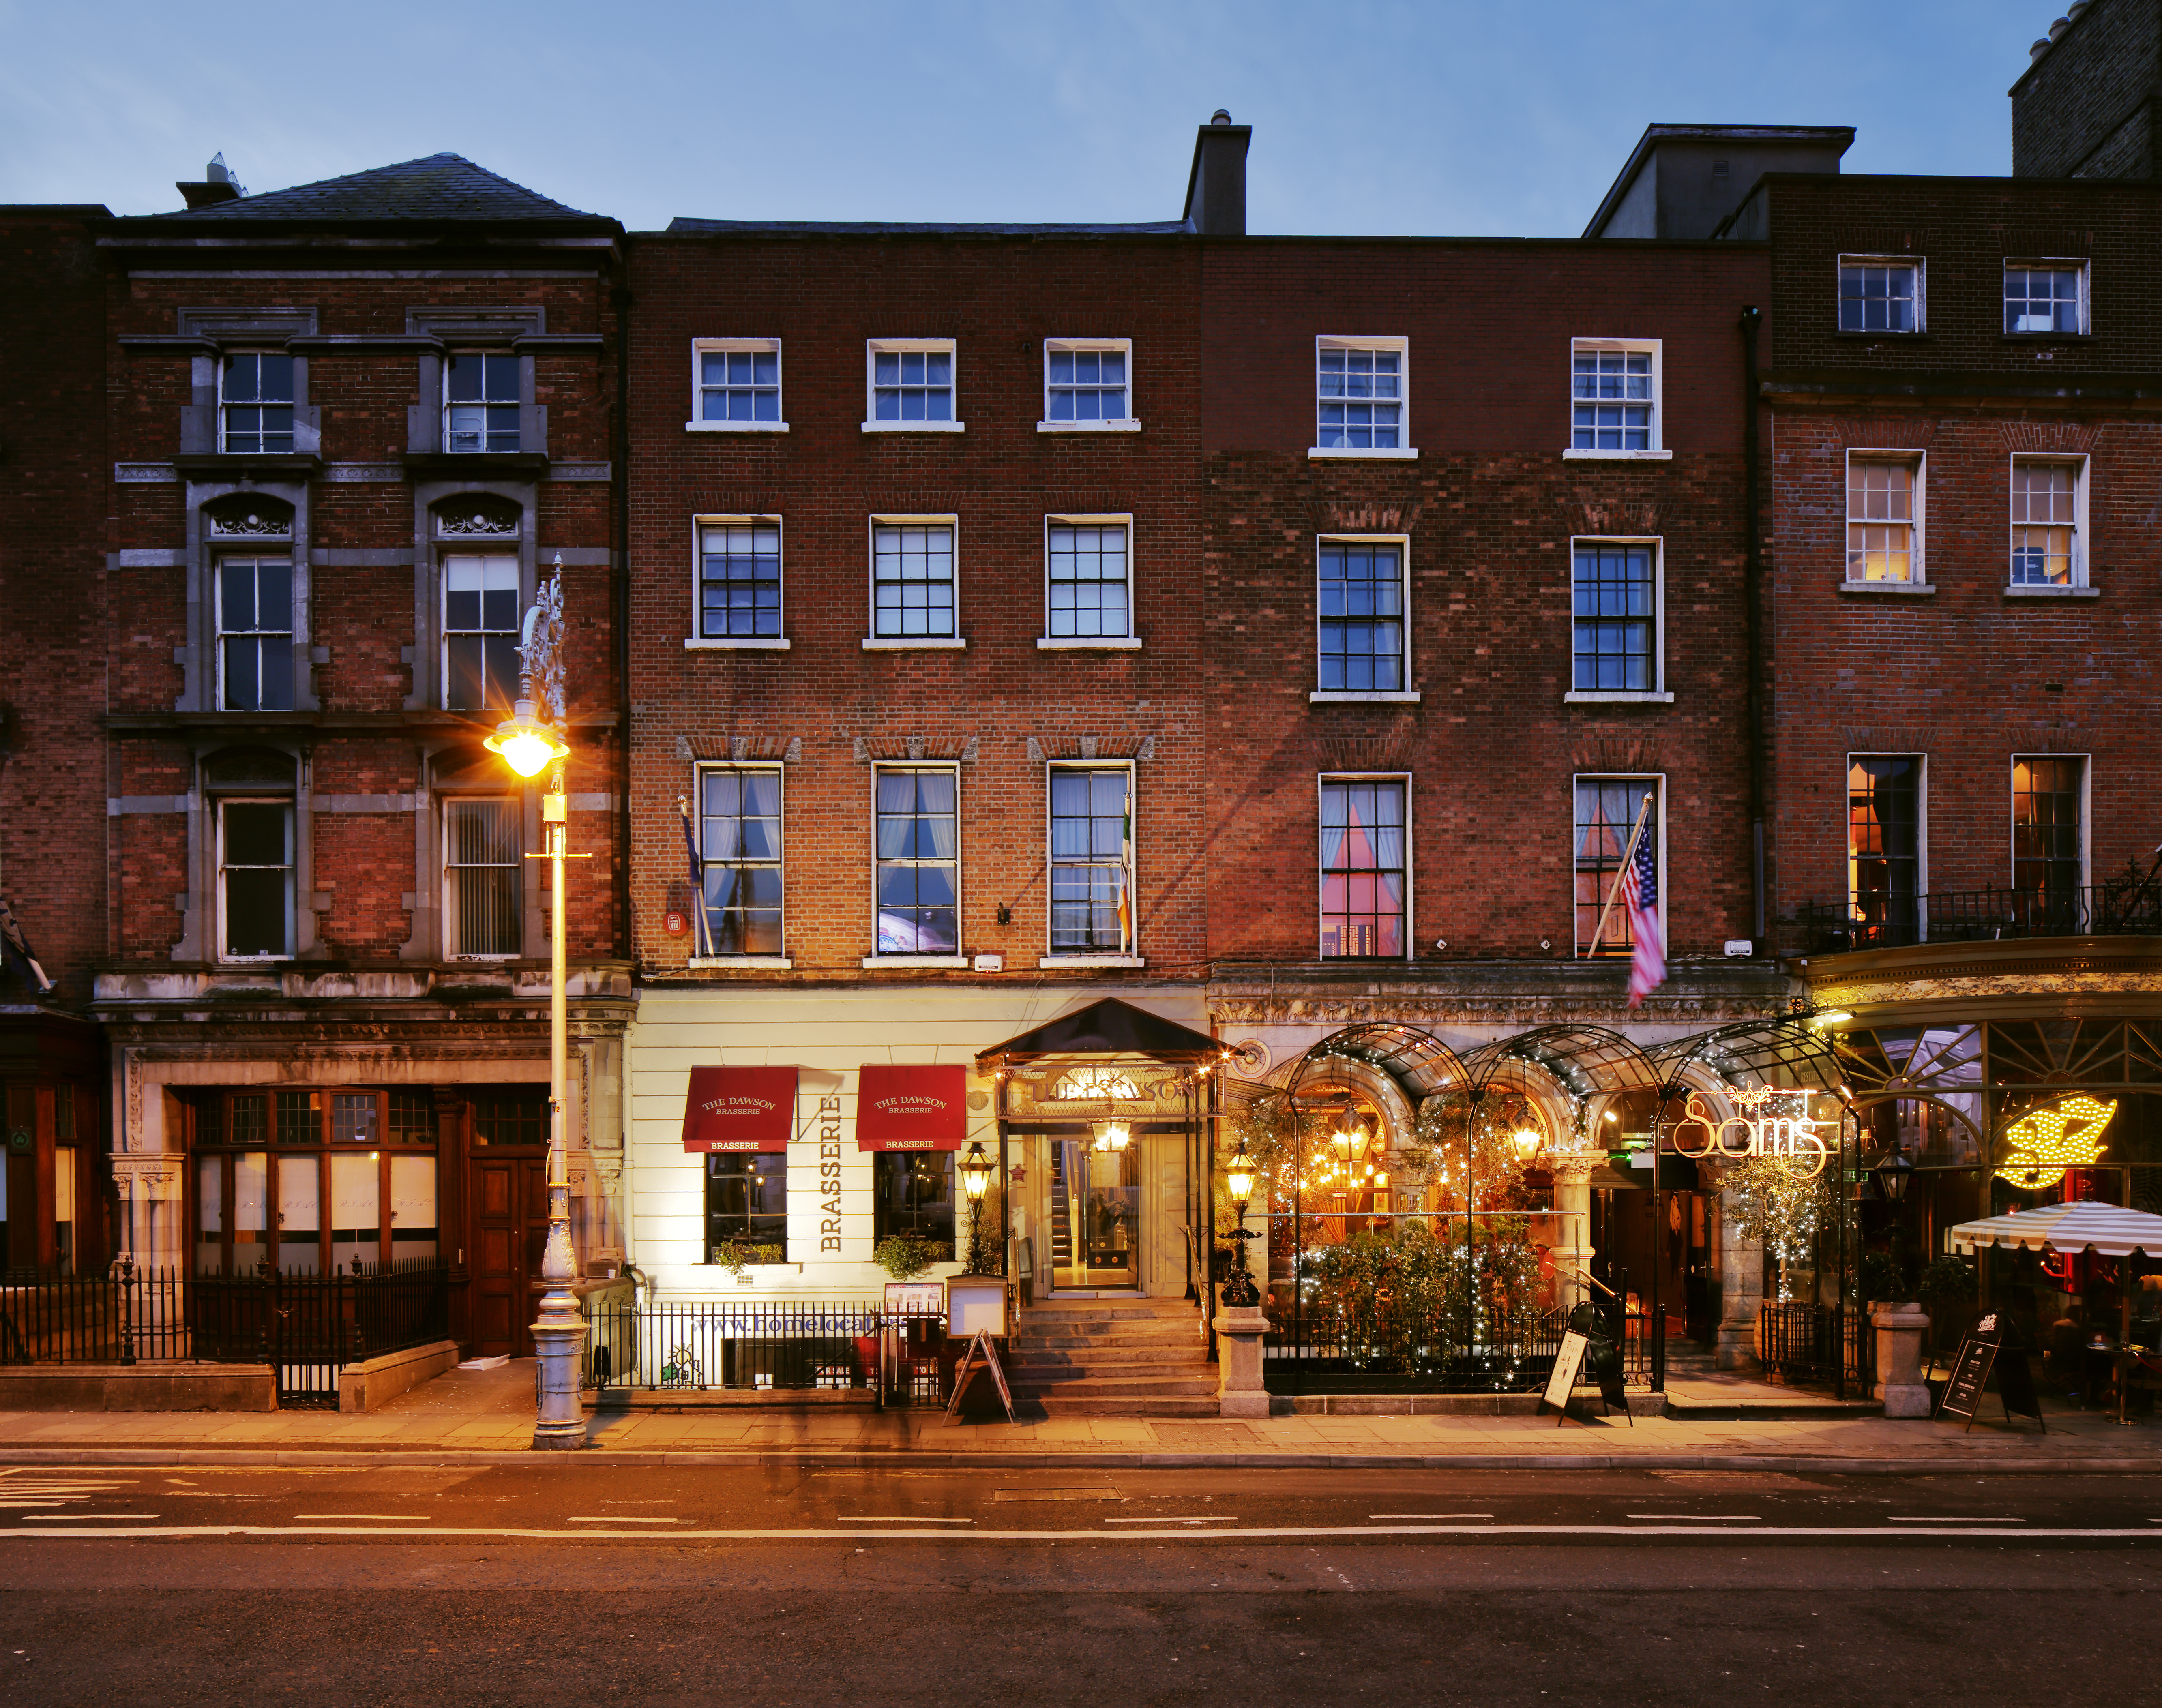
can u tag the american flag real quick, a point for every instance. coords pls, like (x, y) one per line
(698, 926)
(1640, 894)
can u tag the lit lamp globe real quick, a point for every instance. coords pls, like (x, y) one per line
(976, 1168)
(1349, 1137)
(1113, 1135)
(1527, 1141)
(1239, 1178)
(526, 745)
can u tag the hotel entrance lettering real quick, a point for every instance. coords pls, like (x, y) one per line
(1772, 1123)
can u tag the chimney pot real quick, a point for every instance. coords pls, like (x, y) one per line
(1221, 115)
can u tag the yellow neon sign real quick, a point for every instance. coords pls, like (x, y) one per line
(2041, 1146)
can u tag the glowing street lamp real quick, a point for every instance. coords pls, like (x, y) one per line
(1527, 1141)
(1238, 1177)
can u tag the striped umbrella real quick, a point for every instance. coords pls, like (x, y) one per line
(2107, 1229)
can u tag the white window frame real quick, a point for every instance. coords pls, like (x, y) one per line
(1919, 584)
(1658, 782)
(1322, 779)
(2012, 820)
(513, 801)
(876, 348)
(1055, 957)
(1657, 452)
(2082, 465)
(1921, 826)
(500, 352)
(1921, 293)
(478, 553)
(1403, 450)
(1406, 696)
(220, 633)
(781, 962)
(696, 642)
(2061, 263)
(960, 915)
(292, 806)
(1127, 423)
(1660, 694)
(874, 642)
(1131, 641)
(701, 347)
(293, 406)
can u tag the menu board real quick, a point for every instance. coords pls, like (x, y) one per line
(1569, 1364)
(1986, 1349)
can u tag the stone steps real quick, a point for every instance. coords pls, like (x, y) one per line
(1111, 1358)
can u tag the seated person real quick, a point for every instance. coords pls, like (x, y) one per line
(2064, 1355)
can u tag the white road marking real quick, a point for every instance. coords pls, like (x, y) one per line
(1701, 1517)
(894, 1518)
(370, 1517)
(626, 1518)
(1212, 1518)
(96, 1517)
(1955, 1521)
(1429, 1515)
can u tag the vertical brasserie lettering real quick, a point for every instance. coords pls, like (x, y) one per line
(829, 1174)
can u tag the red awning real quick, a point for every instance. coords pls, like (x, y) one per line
(739, 1109)
(911, 1109)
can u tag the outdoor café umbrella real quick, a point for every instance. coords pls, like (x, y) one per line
(2084, 1225)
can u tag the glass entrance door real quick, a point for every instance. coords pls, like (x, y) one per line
(1095, 1215)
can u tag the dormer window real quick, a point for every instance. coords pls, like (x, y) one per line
(480, 401)
(255, 403)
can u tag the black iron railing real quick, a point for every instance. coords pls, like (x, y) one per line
(2126, 908)
(1794, 1343)
(309, 1327)
(1347, 1342)
(699, 1345)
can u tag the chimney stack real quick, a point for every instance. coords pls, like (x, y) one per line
(1216, 188)
(218, 185)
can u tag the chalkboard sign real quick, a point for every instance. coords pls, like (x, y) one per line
(1986, 1349)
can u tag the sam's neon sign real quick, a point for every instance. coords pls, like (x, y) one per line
(1771, 1122)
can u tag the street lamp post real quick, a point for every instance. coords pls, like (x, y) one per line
(976, 1169)
(530, 740)
(1240, 1290)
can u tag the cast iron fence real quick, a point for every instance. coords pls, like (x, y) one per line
(2128, 907)
(1349, 1343)
(703, 1345)
(1794, 1344)
(307, 1327)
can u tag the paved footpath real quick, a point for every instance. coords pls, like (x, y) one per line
(487, 1416)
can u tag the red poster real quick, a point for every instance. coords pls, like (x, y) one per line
(911, 1109)
(739, 1109)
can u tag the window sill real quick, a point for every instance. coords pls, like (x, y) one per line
(2051, 593)
(1573, 455)
(1088, 643)
(916, 426)
(2072, 338)
(1352, 453)
(1322, 696)
(1896, 589)
(1615, 697)
(735, 426)
(747, 645)
(1053, 962)
(960, 962)
(914, 643)
(727, 963)
(1853, 336)
(1126, 427)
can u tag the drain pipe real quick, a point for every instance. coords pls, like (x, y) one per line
(1752, 599)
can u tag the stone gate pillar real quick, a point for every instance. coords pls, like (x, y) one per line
(1572, 1252)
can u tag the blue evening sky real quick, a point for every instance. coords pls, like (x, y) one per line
(1445, 119)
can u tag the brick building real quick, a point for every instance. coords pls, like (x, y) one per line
(348, 427)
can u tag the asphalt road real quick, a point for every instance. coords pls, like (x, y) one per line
(796, 1584)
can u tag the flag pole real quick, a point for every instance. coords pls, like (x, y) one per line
(1628, 855)
(701, 932)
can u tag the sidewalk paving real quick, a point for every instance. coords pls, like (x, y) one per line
(487, 1416)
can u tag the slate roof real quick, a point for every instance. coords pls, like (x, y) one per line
(438, 188)
(896, 228)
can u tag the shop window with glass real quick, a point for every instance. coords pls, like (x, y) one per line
(914, 1196)
(1883, 515)
(1362, 868)
(480, 402)
(1615, 596)
(2045, 533)
(484, 878)
(918, 861)
(255, 403)
(1884, 844)
(1091, 861)
(480, 632)
(255, 880)
(2048, 831)
(1360, 602)
(746, 1201)
(303, 1179)
(739, 579)
(740, 853)
(1606, 809)
(255, 633)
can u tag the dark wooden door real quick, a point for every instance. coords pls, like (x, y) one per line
(509, 1200)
